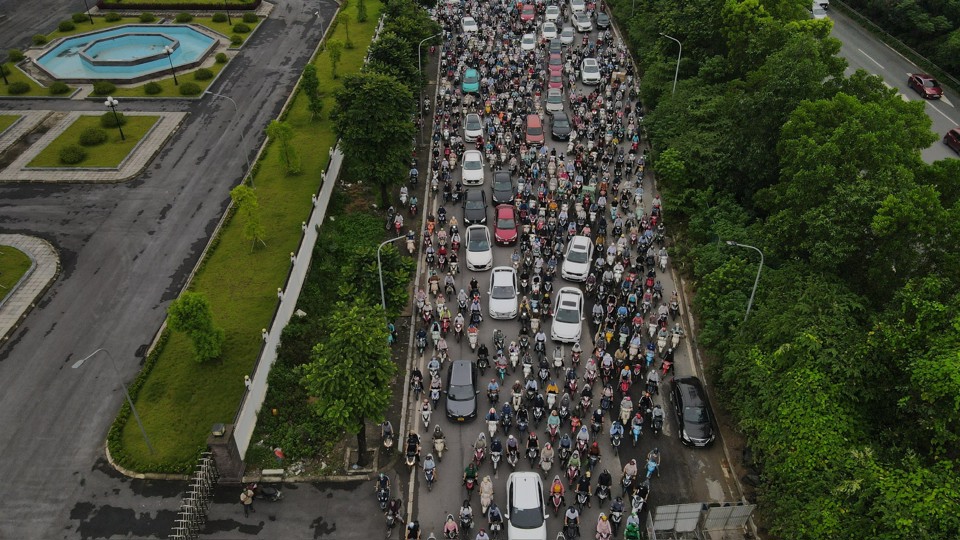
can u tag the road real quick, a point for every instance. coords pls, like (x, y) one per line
(39, 17)
(864, 51)
(126, 250)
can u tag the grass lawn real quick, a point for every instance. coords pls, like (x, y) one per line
(7, 120)
(99, 23)
(170, 89)
(180, 399)
(13, 265)
(227, 28)
(35, 89)
(108, 154)
(173, 3)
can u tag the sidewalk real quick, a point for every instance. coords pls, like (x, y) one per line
(45, 268)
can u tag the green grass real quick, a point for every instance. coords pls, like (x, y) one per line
(108, 154)
(174, 3)
(35, 89)
(170, 89)
(227, 28)
(98, 24)
(7, 120)
(13, 265)
(180, 399)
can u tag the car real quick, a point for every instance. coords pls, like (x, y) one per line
(817, 11)
(603, 20)
(554, 100)
(469, 24)
(555, 46)
(505, 228)
(534, 129)
(582, 22)
(503, 293)
(694, 422)
(548, 30)
(925, 85)
(503, 191)
(552, 13)
(555, 61)
(475, 207)
(461, 391)
(526, 509)
(528, 13)
(578, 6)
(555, 80)
(479, 248)
(528, 42)
(560, 127)
(566, 35)
(952, 139)
(471, 81)
(576, 261)
(472, 127)
(472, 168)
(590, 71)
(567, 316)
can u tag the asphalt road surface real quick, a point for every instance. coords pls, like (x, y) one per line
(126, 250)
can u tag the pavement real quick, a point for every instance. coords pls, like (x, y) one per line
(45, 267)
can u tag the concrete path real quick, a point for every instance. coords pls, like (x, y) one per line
(25, 124)
(45, 267)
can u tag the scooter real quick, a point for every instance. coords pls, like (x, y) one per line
(430, 476)
(273, 494)
(495, 460)
(472, 335)
(439, 445)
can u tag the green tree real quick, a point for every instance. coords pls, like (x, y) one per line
(361, 11)
(248, 207)
(350, 374)
(311, 86)
(335, 48)
(191, 315)
(373, 120)
(344, 18)
(394, 55)
(283, 133)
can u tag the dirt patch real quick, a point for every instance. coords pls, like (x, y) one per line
(17, 148)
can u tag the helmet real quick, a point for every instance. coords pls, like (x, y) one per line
(429, 456)
(603, 517)
(595, 445)
(410, 525)
(533, 436)
(510, 438)
(546, 446)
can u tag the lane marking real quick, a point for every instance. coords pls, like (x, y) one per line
(943, 99)
(902, 96)
(899, 54)
(941, 112)
(872, 60)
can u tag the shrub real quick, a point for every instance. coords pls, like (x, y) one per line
(79, 18)
(72, 154)
(18, 87)
(236, 40)
(103, 88)
(221, 58)
(219, 17)
(108, 120)
(250, 17)
(15, 55)
(190, 89)
(39, 39)
(93, 136)
(184, 17)
(67, 26)
(203, 74)
(112, 16)
(152, 88)
(58, 88)
(241, 28)
(147, 17)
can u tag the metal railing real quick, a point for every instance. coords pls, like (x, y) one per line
(195, 504)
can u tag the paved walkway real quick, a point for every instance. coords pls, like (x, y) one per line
(25, 124)
(130, 167)
(46, 266)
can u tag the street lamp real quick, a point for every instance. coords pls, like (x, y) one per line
(168, 50)
(4, 73)
(112, 103)
(227, 8)
(86, 9)
(756, 281)
(80, 362)
(677, 72)
(383, 297)
(419, 74)
(236, 116)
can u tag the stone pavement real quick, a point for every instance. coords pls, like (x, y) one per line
(45, 267)
(28, 120)
(135, 162)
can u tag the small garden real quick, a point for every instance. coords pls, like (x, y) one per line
(20, 85)
(188, 84)
(13, 265)
(95, 141)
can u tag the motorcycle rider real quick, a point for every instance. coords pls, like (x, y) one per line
(470, 472)
(572, 517)
(583, 486)
(553, 421)
(466, 513)
(616, 429)
(482, 535)
(512, 445)
(557, 486)
(603, 480)
(493, 387)
(413, 530)
(603, 527)
(494, 515)
(547, 454)
(429, 465)
(594, 454)
(413, 444)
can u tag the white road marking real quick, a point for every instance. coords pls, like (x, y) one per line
(943, 99)
(871, 59)
(941, 112)
(903, 97)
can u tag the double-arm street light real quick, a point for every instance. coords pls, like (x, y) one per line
(80, 362)
(112, 103)
(86, 10)
(756, 281)
(168, 50)
(677, 71)
(383, 296)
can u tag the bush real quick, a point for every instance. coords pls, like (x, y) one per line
(103, 88)
(58, 88)
(236, 40)
(184, 17)
(39, 39)
(190, 89)
(72, 154)
(79, 18)
(109, 120)
(18, 87)
(219, 17)
(66, 26)
(112, 16)
(147, 17)
(202, 74)
(15, 55)
(250, 17)
(241, 28)
(152, 88)
(93, 136)
(221, 58)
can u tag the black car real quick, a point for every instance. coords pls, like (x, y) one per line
(462, 391)
(603, 20)
(694, 419)
(475, 207)
(556, 46)
(503, 192)
(560, 127)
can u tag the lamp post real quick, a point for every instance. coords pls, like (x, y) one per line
(419, 74)
(4, 73)
(112, 103)
(86, 10)
(227, 9)
(677, 72)
(80, 362)
(383, 296)
(236, 116)
(756, 281)
(168, 50)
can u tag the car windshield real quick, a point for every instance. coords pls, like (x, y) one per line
(461, 393)
(473, 123)
(472, 165)
(526, 518)
(503, 292)
(567, 313)
(931, 83)
(535, 130)
(503, 185)
(554, 97)
(478, 242)
(577, 256)
(506, 223)
(695, 415)
(561, 122)
(471, 77)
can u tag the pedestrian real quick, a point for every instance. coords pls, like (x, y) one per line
(246, 499)
(246, 382)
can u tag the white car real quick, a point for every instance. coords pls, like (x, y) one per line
(582, 22)
(566, 35)
(554, 100)
(469, 24)
(472, 168)
(819, 12)
(576, 262)
(479, 249)
(578, 6)
(528, 42)
(526, 507)
(552, 13)
(548, 30)
(590, 71)
(568, 314)
(472, 127)
(503, 293)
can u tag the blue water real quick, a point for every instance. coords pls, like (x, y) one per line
(64, 61)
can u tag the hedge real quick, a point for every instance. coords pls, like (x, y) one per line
(104, 5)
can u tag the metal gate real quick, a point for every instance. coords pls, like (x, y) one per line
(196, 501)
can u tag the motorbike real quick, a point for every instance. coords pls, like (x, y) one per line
(430, 475)
(532, 455)
(512, 458)
(492, 428)
(546, 465)
(557, 501)
(674, 309)
(626, 482)
(572, 473)
(472, 335)
(493, 396)
(470, 484)
(557, 360)
(273, 494)
(439, 445)
(603, 493)
(495, 460)
(411, 457)
(479, 454)
(635, 431)
(582, 498)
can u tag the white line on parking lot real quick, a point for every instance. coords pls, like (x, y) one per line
(871, 59)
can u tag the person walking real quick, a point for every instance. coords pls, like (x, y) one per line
(246, 499)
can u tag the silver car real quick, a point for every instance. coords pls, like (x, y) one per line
(567, 35)
(503, 293)
(472, 127)
(554, 100)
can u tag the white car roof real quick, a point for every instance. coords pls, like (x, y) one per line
(580, 242)
(571, 294)
(589, 62)
(473, 155)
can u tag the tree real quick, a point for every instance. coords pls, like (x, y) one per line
(373, 119)
(191, 315)
(344, 17)
(350, 374)
(311, 86)
(394, 53)
(361, 11)
(335, 48)
(245, 199)
(283, 133)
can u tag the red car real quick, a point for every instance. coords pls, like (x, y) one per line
(556, 79)
(534, 131)
(925, 85)
(505, 229)
(952, 139)
(528, 13)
